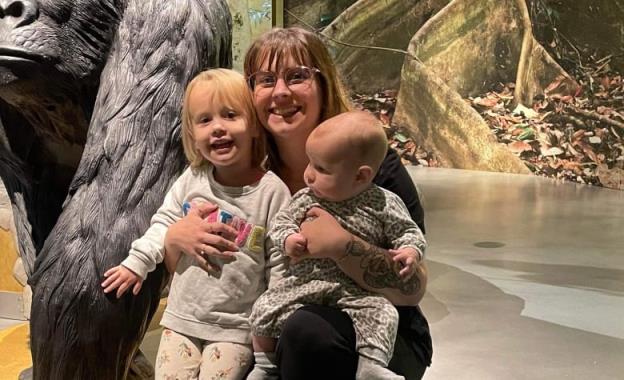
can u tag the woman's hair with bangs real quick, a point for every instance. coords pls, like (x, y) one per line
(229, 88)
(306, 48)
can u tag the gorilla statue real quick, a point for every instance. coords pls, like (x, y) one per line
(90, 99)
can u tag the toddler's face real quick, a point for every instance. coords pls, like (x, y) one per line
(331, 173)
(222, 134)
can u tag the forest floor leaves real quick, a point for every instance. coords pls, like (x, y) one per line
(576, 138)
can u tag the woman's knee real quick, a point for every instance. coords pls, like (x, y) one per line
(317, 342)
(405, 362)
(314, 330)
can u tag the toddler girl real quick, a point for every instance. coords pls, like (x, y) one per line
(207, 334)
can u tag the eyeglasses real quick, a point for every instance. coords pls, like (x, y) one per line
(293, 77)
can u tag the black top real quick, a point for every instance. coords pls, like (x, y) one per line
(393, 176)
(413, 326)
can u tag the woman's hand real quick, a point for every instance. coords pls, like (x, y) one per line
(325, 236)
(194, 236)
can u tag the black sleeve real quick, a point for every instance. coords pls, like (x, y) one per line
(394, 177)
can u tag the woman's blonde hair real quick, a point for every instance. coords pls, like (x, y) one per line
(229, 88)
(278, 45)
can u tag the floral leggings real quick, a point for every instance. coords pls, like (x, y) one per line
(181, 357)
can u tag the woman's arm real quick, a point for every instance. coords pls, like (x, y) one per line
(369, 266)
(373, 269)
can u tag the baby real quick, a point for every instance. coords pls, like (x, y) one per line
(345, 153)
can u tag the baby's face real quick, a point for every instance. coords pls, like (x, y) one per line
(331, 173)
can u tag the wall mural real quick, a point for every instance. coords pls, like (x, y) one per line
(511, 86)
(250, 18)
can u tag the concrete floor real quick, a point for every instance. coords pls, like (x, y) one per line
(526, 277)
(6, 323)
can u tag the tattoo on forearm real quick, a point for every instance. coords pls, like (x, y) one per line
(379, 269)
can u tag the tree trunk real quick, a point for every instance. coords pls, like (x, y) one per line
(466, 49)
(389, 24)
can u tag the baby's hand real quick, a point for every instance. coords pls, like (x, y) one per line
(295, 247)
(121, 278)
(407, 258)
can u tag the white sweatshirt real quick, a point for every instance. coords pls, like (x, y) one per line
(202, 305)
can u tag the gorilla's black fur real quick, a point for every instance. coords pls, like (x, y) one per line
(106, 75)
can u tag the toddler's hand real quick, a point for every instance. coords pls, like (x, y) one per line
(296, 247)
(407, 259)
(121, 278)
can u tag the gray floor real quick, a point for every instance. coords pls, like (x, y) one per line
(526, 277)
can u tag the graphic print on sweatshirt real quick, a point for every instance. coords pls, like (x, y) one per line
(248, 235)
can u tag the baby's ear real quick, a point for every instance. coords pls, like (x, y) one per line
(364, 174)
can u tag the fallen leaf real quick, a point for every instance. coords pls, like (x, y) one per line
(385, 119)
(578, 134)
(517, 131)
(485, 102)
(554, 84)
(527, 112)
(589, 152)
(605, 82)
(519, 147)
(539, 106)
(400, 137)
(554, 151)
(572, 165)
(571, 151)
(595, 140)
(527, 134)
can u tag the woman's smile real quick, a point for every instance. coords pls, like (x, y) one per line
(285, 112)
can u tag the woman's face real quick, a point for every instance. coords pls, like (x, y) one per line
(288, 112)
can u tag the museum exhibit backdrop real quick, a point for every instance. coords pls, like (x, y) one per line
(531, 87)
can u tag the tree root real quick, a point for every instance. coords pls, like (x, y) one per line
(593, 115)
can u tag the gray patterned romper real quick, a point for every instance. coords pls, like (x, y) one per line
(376, 216)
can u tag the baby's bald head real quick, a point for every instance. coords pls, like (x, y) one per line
(355, 136)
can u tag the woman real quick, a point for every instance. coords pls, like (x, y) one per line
(295, 87)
